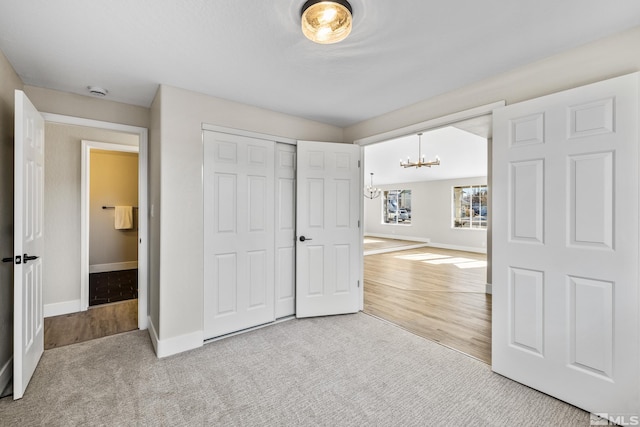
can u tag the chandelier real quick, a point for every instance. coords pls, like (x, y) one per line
(371, 192)
(421, 161)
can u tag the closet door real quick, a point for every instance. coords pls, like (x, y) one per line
(285, 230)
(239, 238)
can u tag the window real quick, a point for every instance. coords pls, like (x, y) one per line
(396, 207)
(470, 207)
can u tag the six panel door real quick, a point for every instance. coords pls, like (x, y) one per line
(239, 236)
(565, 245)
(329, 245)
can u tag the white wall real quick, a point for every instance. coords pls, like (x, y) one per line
(62, 209)
(431, 203)
(180, 114)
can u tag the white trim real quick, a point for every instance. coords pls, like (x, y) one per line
(153, 334)
(6, 374)
(79, 121)
(395, 249)
(362, 234)
(85, 199)
(397, 237)
(60, 308)
(171, 346)
(175, 345)
(257, 135)
(459, 248)
(488, 288)
(143, 198)
(115, 266)
(253, 328)
(431, 124)
(428, 242)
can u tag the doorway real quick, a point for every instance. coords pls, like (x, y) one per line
(110, 222)
(66, 299)
(428, 271)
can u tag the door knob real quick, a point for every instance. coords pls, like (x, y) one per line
(302, 238)
(9, 259)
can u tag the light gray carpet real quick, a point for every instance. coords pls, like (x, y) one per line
(352, 370)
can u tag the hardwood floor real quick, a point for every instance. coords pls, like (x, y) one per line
(96, 322)
(438, 294)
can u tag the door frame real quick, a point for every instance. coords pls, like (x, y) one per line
(431, 124)
(85, 200)
(143, 201)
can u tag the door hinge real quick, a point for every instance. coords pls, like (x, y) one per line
(358, 283)
(358, 163)
(358, 223)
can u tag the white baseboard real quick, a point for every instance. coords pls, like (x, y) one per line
(171, 346)
(6, 374)
(116, 266)
(488, 289)
(59, 308)
(428, 241)
(395, 249)
(398, 237)
(459, 248)
(152, 334)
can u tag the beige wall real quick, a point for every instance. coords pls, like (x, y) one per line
(606, 58)
(87, 107)
(154, 209)
(114, 182)
(9, 82)
(175, 150)
(62, 206)
(431, 203)
(181, 114)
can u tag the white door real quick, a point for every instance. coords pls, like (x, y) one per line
(238, 233)
(285, 198)
(28, 319)
(565, 245)
(329, 240)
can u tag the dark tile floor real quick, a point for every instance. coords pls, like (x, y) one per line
(113, 286)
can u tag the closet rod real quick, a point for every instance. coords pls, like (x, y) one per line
(113, 207)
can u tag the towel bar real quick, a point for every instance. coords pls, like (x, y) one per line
(113, 207)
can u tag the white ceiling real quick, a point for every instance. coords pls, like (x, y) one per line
(462, 155)
(252, 51)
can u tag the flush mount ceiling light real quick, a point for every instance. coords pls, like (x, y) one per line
(326, 22)
(421, 161)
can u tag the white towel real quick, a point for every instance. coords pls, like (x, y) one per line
(124, 217)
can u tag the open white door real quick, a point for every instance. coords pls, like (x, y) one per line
(565, 246)
(28, 319)
(329, 243)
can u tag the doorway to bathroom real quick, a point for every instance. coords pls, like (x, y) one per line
(110, 202)
(69, 317)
